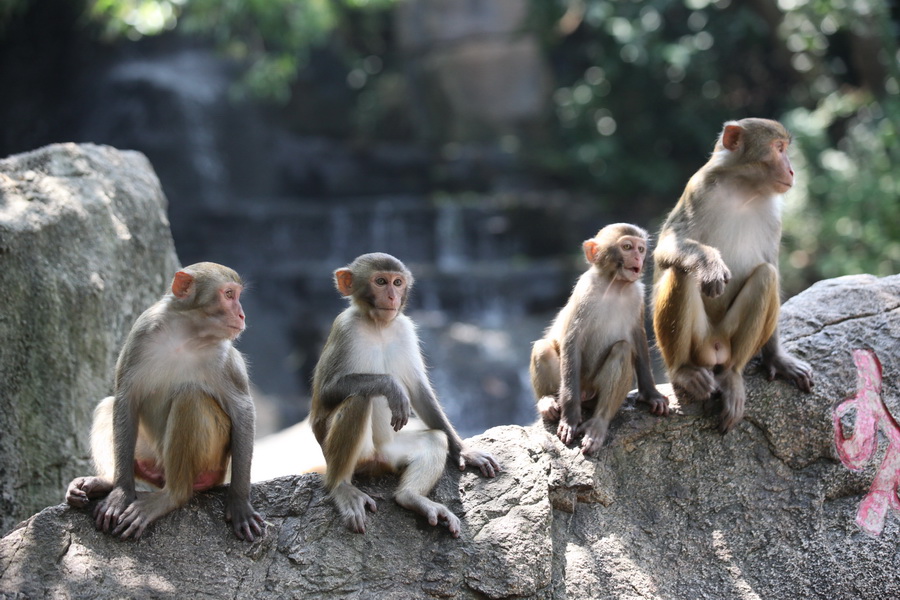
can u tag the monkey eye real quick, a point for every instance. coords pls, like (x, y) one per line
(381, 281)
(627, 246)
(398, 282)
(229, 293)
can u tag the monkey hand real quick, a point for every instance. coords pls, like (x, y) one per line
(84, 489)
(110, 509)
(790, 368)
(714, 275)
(399, 405)
(482, 461)
(246, 522)
(567, 430)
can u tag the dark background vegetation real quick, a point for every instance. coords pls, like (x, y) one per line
(315, 129)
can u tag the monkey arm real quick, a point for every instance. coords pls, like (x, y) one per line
(245, 521)
(429, 410)
(691, 256)
(368, 385)
(647, 392)
(570, 383)
(125, 430)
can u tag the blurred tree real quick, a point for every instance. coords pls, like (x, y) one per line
(642, 90)
(270, 38)
(645, 86)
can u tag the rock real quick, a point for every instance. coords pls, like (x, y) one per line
(84, 249)
(669, 509)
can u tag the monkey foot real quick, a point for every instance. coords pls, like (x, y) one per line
(594, 431)
(352, 503)
(548, 407)
(435, 513)
(84, 489)
(792, 369)
(733, 398)
(694, 383)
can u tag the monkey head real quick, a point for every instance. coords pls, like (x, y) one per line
(756, 150)
(618, 250)
(378, 284)
(210, 295)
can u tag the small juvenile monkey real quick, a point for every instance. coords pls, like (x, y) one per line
(589, 356)
(181, 409)
(369, 375)
(716, 293)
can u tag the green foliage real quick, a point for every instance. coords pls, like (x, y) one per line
(847, 219)
(645, 86)
(845, 216)
(270, 38)
(9, 9)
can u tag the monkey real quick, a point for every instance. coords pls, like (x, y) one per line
(181, 410)
(369, 377)
(716, 290)
(590, 354)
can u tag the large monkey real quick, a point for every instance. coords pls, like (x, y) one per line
(716, 293)
(370, 372)
(589, 356)
(181, 409)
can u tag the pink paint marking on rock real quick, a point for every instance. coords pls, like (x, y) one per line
(857, 449)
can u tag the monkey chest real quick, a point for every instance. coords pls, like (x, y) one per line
(173, 362)
(388, 353)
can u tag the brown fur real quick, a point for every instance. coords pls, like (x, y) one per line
(716, 292)
(582, 369)
(181, 411)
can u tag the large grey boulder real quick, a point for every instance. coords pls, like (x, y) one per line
(84, 248)
(669, 509)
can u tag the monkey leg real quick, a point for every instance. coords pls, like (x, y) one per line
(749, 322)
(611, 383)
(194, 455)
(421, 455)
(752, 316)
(545, 378)
(682, 327)
(347, 439)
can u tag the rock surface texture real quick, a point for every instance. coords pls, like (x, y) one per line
(84, 248)
(669, 509)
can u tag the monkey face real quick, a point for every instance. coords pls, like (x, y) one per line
(386, 295)
(631, 250)
(782, 171)
(231, 313)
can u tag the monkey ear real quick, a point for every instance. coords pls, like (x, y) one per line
(732, 137)
(591, 250)
(181, 285)
(343, 279)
